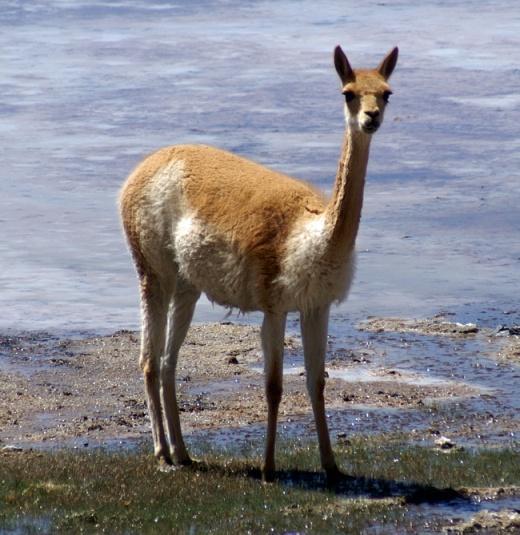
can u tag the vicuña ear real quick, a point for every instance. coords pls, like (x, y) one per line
(343, 67)
(387, 66)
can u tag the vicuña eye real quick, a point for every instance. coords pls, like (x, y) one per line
(386, 95)
(349, 96)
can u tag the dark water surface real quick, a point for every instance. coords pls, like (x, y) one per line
(88, 88)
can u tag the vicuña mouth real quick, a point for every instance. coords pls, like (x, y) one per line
(370, 128)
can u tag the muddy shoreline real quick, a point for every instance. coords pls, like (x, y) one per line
(442, 384)
(88, 391)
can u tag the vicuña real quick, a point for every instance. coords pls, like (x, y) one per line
(199, 219)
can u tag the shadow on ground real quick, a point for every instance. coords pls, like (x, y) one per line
(347, 486)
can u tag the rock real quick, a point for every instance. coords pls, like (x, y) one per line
(505, 521)
(433, 326)
(462, 328)
(490, 493)
(343, 440)
(232, 360)
(504, 330)
(10, 448)
(445, 443)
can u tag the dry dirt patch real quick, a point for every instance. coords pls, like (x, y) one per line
(433, 326)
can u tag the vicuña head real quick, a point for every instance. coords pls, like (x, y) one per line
(199, 219)
(366, 91)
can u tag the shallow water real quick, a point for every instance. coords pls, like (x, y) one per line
(88, 88)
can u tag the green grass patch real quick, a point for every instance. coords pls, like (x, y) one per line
(125, 492)
(395, 461)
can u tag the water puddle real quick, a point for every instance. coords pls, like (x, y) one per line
(476, 511)
(218, 387)
(360, 374)
(26, 353)
(28, 524)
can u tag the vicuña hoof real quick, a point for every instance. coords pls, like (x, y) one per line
(268, 476)
(164, 459)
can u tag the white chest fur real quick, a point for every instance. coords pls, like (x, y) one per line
(309, 276)
(212, 265)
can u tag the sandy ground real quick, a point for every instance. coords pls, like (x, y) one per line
(83, 392)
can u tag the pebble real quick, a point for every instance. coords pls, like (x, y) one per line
(504, 330)
(10, 447)
(445, 443)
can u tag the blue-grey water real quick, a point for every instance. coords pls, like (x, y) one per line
(88, 88)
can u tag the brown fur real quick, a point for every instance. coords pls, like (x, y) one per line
(344, 210)
(367, 81)
(251, 206)
(254, 208)
(248, 203)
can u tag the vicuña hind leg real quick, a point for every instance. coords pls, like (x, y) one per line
(314, 326)
(273, 329)
(154, 308)
(182, 307)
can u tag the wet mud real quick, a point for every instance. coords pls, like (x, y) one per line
(505, 521)
(426, 379)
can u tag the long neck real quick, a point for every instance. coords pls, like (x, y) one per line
(344, 209)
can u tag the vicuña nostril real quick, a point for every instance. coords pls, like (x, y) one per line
(372, 114)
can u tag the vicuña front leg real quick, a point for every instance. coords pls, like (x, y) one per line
(273, 329)
(314, 326)
(183, 305)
